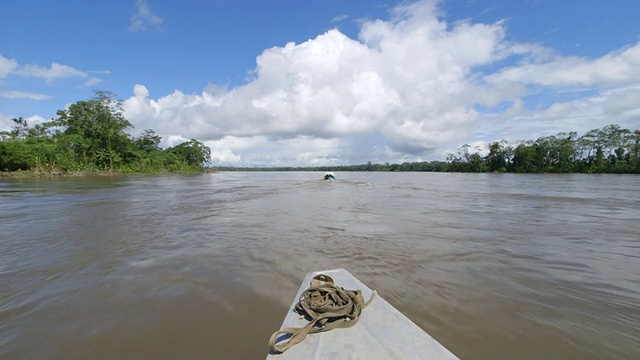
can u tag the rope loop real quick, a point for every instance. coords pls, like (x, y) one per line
(326, 306)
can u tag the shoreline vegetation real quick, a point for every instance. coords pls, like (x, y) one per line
(33, 174)
(89, 139)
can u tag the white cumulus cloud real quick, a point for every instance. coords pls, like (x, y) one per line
(409, 88)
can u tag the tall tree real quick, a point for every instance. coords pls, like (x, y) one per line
(497, 157)
(149, 141)
(95, 129)
(193, 153)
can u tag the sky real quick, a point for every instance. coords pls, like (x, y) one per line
(328, 82)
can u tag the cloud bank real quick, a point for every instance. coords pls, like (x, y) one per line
(410, 88)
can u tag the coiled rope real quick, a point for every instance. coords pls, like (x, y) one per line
(326, 306)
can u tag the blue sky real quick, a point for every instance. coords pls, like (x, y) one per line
(321, 82)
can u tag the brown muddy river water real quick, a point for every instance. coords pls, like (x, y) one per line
(205, 266)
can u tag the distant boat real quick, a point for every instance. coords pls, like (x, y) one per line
(329, 176)
(381, 331)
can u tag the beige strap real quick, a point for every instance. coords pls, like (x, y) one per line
(326, 306)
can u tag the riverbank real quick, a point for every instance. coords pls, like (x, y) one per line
(25, 174)
(22, 174)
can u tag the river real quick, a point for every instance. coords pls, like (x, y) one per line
(493, 266)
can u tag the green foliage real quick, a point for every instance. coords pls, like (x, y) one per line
(192, 153)
(96, 130)
(91, 135)
(607, 150)
(498, 157)
(148, 142)
(466, 161)
(15, 155)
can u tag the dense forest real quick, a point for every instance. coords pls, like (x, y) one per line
(90, 136)
(607, 150)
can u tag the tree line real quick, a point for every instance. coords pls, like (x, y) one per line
(611, 149)
(90, 135)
